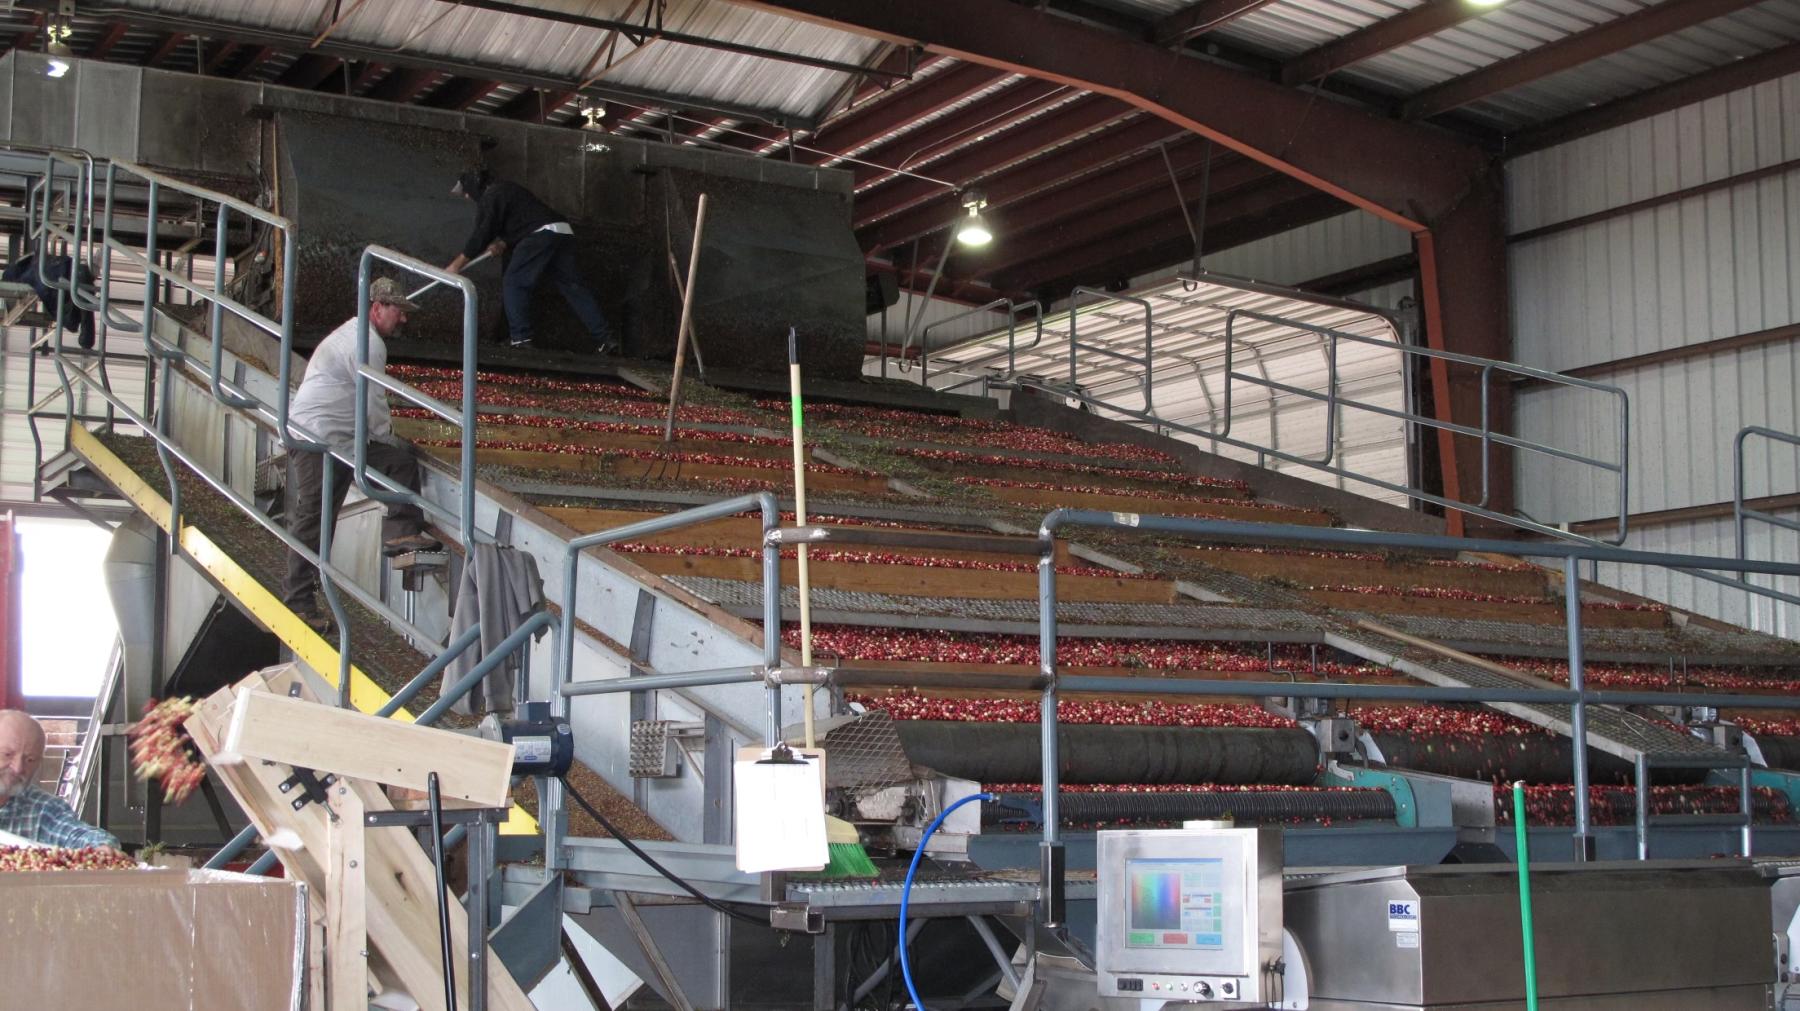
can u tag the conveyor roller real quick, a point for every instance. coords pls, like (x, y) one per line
(1079, 807)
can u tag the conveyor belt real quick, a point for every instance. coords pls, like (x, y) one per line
(1656, 645)
(1021, 811)
(1611, 730)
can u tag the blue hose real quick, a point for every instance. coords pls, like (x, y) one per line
(906, 891)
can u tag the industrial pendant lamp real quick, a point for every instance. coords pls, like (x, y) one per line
(56, 45)
(973, 229)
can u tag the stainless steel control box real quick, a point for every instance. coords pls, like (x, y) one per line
(1189, 914)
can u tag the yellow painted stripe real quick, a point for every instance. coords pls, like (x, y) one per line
(287, 626)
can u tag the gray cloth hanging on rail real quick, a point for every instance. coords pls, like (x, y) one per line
(500, 588)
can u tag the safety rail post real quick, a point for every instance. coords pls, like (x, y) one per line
(925, 334)
(562, 683)
(1742, 514)
(1012, 346)
(1641, 789)
(465, 418)
(1052, 858)
(1149, 359)
(1584, 840)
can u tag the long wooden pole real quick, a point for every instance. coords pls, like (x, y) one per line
(799, 440)
(687, 309)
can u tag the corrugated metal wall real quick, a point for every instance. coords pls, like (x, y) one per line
(1700, 268)
(1349, 240)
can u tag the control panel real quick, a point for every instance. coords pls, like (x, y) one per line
(1188, 914)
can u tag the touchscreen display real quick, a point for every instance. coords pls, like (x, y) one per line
(1174, 904)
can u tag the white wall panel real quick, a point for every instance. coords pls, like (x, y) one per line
(1715, 537)
(1708, 266)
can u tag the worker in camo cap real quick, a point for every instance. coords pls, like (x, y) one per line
(537, 241)
(324, 408)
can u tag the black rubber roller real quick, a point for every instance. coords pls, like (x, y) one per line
(1779, 752)
(1093, 753)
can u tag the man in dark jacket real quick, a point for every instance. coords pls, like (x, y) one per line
(509, 219)
(56, 271)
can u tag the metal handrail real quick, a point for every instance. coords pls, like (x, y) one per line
(1149, 340)
(1577, 696)
(465, 418)
(1742, 514)
(1010, 354)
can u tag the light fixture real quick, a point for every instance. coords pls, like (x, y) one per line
(57, 68)
(594, 114)
(1486, 3)
(56, 39)
(973, 230)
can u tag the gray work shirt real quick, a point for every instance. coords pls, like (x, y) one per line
(325, 403)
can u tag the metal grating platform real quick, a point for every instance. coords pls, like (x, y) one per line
(1699, 645)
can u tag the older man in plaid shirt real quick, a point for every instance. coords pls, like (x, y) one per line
(27, 811)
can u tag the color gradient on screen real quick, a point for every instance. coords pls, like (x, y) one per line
(1155, 900)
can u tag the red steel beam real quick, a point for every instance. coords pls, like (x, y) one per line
(1734, 76)
(26, 38)
(1601, 40)
(1098, 241)
(1015, 145)
(867, 122)
(257, 58)
(1193, 22)
(1428, 18)
(915, 148)
(168, 45)
(115, 32)
(406, 85)
(308, 71)
(217, 59)
(461, 93)
(1416, 177)
(367, 76)
(1069, 217)
(1100, 149)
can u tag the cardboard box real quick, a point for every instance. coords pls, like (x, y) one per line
(154, 938)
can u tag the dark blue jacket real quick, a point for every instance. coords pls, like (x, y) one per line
(56, 269)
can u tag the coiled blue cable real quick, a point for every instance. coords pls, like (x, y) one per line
(906, 891)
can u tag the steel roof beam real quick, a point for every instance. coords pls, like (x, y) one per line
(1197, 20)
(258, 57)
(164, 48)
(300, 43)
(876, 119)
(942, 135)
(309, 71)
(461, 93)
(217, 59)
(1566, 53)
(1428, 18)
(1734, 76)
(979, 160)
(407, 85)
(1149, 224)
(1257, 118)
(115, 32)
(1101, 148)
(639, 32)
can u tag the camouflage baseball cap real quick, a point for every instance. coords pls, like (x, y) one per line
(386, 289)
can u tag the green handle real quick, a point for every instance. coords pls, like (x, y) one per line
(1519, 834)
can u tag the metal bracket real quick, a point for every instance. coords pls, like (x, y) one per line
(777, 676)
(422, 819)
(312, 787)
(797, 917)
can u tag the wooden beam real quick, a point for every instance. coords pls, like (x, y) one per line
(275, 728)
(1603, 39)
(115, 31)
(346, 901)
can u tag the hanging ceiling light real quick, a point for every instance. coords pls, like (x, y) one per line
(594, 114)
(56, 36)
(973, 230)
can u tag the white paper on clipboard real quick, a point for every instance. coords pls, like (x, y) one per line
(779, 812)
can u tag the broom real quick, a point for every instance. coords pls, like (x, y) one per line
(847, 858)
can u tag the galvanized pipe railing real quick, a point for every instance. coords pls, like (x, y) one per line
(1013, 309)
(464, 517)
(1147, 362)
(1741, 513)
(1577, 696)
